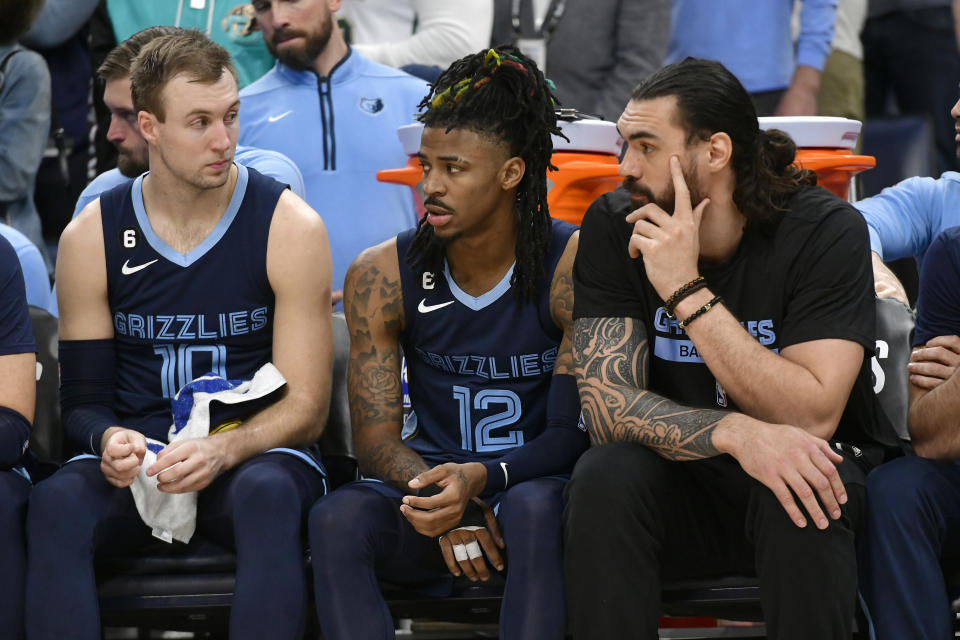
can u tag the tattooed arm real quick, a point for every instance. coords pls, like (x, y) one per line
(611, 367)
(373, 304)
(611, 362)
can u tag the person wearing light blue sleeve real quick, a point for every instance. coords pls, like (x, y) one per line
(35, 276)
(904, 219)
(270, 163)
(336, 114)
(752, 38)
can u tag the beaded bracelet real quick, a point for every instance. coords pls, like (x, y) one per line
(694, 285)
(699, 312)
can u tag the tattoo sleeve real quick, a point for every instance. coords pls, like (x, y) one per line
(561, 309)
(611, 361)
(374, 308)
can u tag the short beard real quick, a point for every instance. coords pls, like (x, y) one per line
(301, 59)
(131, 166)
(668, 199)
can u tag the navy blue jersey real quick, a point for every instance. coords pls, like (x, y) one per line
(178, 316)
(16, 332)
(478, 369)
(938, 304)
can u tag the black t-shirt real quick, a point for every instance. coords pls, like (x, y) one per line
(810, 278)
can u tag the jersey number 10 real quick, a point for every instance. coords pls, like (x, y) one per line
(178, 370)
(480, 438)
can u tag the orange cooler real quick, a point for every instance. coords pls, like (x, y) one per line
(587, 166)
(825, 146)
(587, 163)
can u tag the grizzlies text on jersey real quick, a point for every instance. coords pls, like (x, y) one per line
(178, 316)
(478, 369)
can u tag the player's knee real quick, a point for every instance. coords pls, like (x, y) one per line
(55, 505)
(901, 489)
(603, 472)
(14, 490)
(328, 522)
(538, 503)
(337, 523)
(266, 491)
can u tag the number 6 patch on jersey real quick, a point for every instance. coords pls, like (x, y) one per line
(128, 238)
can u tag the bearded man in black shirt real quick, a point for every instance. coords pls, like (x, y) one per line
(724, 320)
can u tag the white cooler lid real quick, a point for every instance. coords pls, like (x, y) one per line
(816, 131)
(595, 136)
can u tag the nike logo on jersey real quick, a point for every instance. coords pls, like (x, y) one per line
(506, 476)
(128, 270)
(427, 308)
(279, 117)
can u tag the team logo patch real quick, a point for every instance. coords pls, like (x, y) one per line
(240, 24)
(372, 106)
(129, 238)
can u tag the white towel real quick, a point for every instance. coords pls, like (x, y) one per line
(173, 516)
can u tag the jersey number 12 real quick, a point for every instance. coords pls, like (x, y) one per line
(480, 438)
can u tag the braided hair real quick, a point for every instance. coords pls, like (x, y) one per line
(499, 92)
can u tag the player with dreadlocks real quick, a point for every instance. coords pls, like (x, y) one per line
(495, 414)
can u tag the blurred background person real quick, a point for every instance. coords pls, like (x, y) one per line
(752, 39)
(24, 119)
(419, 36)
(595, 51)
(841, 84)
(60, 34)
(911, 65)
(334, 113)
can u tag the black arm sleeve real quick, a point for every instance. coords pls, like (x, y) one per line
(14, 436)
(552, 452)
(86, 391)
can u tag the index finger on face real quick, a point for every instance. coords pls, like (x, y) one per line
(681, 193)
